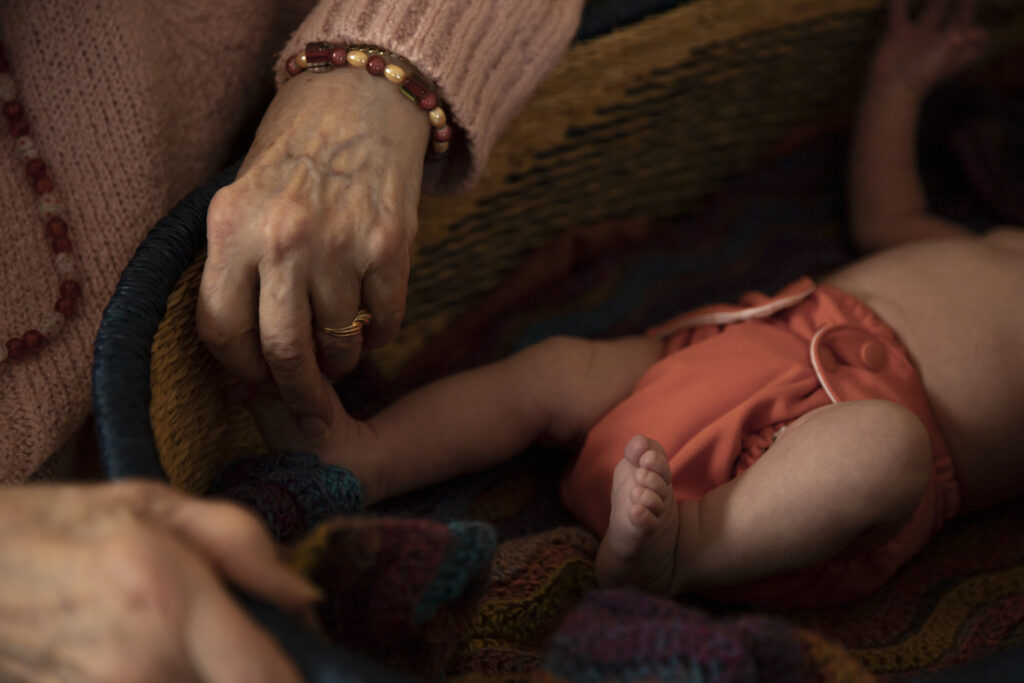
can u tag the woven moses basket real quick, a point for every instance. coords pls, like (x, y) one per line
(653, 107)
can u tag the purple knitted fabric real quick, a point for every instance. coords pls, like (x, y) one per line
(293, 492)
(625, 635)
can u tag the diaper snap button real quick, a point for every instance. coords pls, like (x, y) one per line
(827, 359)
(873, 355)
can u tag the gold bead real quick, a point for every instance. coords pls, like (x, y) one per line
(357, 57)
(394, 73)
(301, 61)
(437, 117)
(440, 147)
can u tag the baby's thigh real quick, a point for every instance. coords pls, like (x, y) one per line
(874, 455)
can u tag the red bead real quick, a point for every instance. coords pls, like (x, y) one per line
(61, 245)
(69, 289)
(36, 168)
(66, 307)
(443, 134)
(339, 56)
(56, 227)
(414, 88)
(291, 67)
(18, 128)
(33, 340)
(428, 101)
(16, 347)
(318, 54)
(13, 110)
(376, 65)
(43, 185)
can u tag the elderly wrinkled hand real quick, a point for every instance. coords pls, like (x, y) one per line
(318, 225)
(126, 583)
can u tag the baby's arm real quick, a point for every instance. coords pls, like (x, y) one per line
(475, 419)
(887, 202)
(471, 420)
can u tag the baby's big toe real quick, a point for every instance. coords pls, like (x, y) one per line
(635, 448)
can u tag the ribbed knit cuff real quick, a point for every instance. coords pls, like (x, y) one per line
(487, 57)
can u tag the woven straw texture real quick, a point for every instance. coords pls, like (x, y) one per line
(640, 122)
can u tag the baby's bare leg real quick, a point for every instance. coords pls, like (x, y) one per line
(832, 476)
(476, 419)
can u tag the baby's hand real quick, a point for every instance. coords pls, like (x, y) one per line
(940, 41)
(278, 426)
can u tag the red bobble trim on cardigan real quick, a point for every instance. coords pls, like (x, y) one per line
(56, 231)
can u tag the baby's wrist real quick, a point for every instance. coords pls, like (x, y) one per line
(884, 83)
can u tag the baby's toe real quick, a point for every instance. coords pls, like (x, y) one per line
(636, 447)
(652, 500)
(640, 516)
(655, 460)
(653, 481)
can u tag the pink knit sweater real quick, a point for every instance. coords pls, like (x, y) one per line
(134, 102)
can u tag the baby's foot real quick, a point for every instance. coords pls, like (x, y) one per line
(639, 547)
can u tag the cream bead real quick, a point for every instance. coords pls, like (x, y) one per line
(52, 324)
(357, 58)
(301, 61)
(25, 148)
(49, 207)
(394, 73)
(439, 146)
(66, 266)
(437, 117)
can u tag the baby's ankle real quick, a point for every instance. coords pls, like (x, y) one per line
(688, 572)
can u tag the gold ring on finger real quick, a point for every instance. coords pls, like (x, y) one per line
(353, 328)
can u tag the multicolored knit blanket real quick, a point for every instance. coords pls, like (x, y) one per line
(512, 598)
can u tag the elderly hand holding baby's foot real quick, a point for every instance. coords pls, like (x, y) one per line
(940, 41)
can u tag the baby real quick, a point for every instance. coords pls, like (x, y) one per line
(794, 449)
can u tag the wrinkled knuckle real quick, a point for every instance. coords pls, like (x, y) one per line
(289, 226)
(340, 241)
(222, 212)
(286, 237)
(212, 333)
(284, 352)
(386, 244)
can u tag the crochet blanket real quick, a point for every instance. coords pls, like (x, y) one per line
(487, 577)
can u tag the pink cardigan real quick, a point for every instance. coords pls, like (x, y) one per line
(132, 103)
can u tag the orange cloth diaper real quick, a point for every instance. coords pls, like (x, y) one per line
(731, 377)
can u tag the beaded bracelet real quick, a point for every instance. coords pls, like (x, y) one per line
(325, 56)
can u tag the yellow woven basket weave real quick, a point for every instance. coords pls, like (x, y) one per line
(639, 122)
